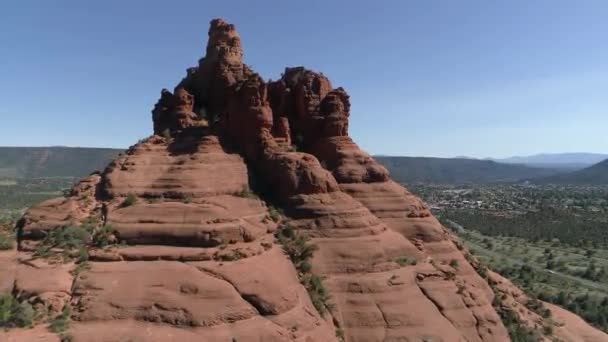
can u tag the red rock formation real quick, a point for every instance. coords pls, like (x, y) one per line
(298, 95)
(173, 112)
(281, 131)
(200, 262)
(247, 119)
(220, 69)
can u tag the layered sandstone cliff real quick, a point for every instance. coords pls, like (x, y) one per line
(189, 220)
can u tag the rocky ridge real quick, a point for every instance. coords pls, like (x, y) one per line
(251, 215)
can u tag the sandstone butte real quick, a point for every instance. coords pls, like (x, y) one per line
(208, 192)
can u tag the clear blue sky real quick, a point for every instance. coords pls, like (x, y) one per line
(429, 78)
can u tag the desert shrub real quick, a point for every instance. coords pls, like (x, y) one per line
(317, 292)
(14, 314)
(533, 304)
(483, 272)
(186, 199)
(129, 201)
(67, 238)
(82, 262)
(83, 255)
(275, 213)
(479, 267)
(60, 323)
(102, 237)
(73, 240)
(300, 250)
(91, 222)
(6, 240)
(42, 251)
(81, 266)
(246, 192)
(402, 261)
(340, 334)
(232, 256)
(518, 330)
(454, 263)
(305, 267)
(296, 246)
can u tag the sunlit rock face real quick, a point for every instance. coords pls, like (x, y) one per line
(195, 209)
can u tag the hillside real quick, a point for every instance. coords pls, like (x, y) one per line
(59, 161)
(564, 161)
(35, 162)
(457, 170)
(594, 175)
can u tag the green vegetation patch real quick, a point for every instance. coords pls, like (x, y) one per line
(317, 292)
(546, 271)
(405, 261)
(129, 201)
(296, 246)
(7, 240)
(275, 213)
(14, 314)
(73, 241)
(60, 323)
(246, 192)
(300, 251)
(543, 225)
(67, 239)
(518, 331)
(23, 193)
(104, 236)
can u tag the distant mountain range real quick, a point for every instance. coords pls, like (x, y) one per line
(458, 170)
(57, 161)
(566, 161)
(593, 175)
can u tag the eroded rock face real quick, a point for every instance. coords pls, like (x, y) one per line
(220, 69)
(199, 261)
(173, 112)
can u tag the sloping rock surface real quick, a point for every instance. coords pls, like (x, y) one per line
(191, 214)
